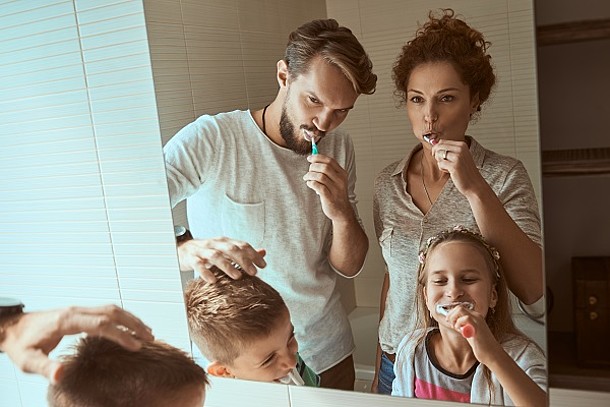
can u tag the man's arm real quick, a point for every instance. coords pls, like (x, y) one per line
(349, 242)
(29, 338)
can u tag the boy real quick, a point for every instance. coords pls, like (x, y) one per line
(102, 373)
(243, 328)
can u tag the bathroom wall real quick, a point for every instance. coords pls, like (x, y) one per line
(573, 85)
(84, 209)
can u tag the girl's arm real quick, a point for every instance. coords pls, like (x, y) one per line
(522, 390)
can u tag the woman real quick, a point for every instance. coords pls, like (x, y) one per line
(443, 76)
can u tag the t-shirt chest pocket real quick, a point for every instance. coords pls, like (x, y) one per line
(243, 221)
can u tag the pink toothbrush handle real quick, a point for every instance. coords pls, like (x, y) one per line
(468, 331)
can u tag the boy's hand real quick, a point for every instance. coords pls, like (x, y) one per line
(229, 255)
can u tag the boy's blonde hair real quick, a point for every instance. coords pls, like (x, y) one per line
(101, 373)
(227, 315)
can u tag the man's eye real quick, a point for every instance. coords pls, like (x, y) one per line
(313, 100)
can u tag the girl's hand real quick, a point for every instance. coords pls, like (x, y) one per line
(455, 158)
(483, 343)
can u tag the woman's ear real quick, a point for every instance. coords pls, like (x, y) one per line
(282, 73)
(219, 370)
(474, 104)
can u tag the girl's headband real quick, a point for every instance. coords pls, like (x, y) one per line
(439, 237)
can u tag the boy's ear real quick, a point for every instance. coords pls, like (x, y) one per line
(219, 370)
(282, 73)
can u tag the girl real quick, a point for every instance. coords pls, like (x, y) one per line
(466, 347)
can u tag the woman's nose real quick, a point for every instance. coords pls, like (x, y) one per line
(430, 115)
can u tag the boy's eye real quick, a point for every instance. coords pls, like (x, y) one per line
(268, 361)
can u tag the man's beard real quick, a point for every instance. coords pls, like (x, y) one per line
(295, 140)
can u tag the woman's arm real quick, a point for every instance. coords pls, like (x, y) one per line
(497, 220)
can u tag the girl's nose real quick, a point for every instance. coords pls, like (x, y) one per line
(454, 290)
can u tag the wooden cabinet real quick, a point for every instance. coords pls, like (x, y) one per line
(591, 282)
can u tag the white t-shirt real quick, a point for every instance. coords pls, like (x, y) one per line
(240, 184)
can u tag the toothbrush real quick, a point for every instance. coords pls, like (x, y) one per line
(314, 147)
(429, 139)
(467, 330)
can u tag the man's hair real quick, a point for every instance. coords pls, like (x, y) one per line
(228, 315)
(101, 373)
(336, 45)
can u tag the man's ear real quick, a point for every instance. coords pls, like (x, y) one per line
(282, 73)
(219, 370)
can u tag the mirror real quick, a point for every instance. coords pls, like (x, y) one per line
(216, 57)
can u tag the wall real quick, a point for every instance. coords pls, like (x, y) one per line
(381, 131)
(84, 208)
(573, 85)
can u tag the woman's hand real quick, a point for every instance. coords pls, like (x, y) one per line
(454, 157)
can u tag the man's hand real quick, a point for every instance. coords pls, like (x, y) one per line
(227, 254)
(329, 180)
(29, 340)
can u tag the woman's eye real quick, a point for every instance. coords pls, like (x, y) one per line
(447, 98)
(416, 99)
(313, 100)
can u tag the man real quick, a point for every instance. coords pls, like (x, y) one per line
(249, 179)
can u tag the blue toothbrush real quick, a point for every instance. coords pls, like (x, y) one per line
(314, 147)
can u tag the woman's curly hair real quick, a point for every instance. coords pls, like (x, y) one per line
(447, 39)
